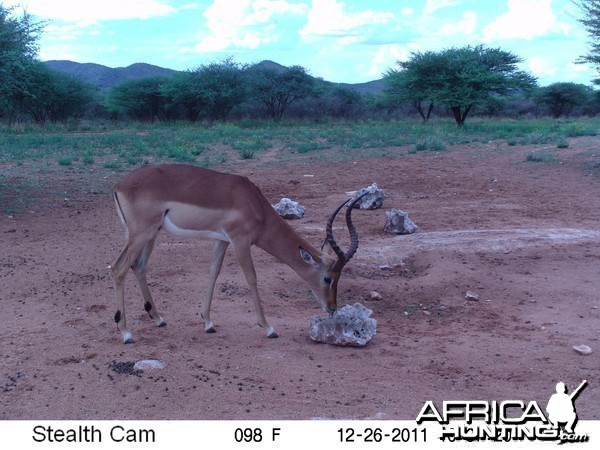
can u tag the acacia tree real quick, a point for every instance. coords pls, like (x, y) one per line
(278, 87)
(220, 87)
(18, 52)
(408, 83)
(591, 22)
(139, 99)
(182, 90)
(562, 98)
(459, 78)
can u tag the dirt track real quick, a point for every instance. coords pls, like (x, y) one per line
(523, 236)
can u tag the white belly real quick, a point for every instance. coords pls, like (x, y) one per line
(177, 231)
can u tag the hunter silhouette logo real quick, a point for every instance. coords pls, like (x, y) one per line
(510, 420)
(561, 407)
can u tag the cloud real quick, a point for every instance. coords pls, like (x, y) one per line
(93, 11)
(387, 56)
(525, 19)
(541, 66)
(463, 27)
(433, 5)
(327, 18)
(242, 23)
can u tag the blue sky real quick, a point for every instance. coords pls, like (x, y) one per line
(339, 40)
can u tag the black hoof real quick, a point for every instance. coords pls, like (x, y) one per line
(162, 324)
(211, 330)
(129, 341)
(273, 335)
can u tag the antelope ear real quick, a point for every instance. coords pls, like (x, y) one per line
(308, 258)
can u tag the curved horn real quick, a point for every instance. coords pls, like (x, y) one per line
(329, 234)
(353, 234)
(343, 258)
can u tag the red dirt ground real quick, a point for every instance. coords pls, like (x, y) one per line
(524, 236)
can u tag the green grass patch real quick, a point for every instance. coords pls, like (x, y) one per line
(541, 156)
(127, 144)
(66, 160)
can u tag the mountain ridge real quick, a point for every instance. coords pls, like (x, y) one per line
(105, 77)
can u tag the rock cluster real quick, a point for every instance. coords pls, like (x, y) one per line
(289, 209)
(348, 326)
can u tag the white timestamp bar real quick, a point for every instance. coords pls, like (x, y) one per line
(267, 434)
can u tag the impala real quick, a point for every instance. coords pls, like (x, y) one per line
(230, 209)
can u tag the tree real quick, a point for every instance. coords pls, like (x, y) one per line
(341, 102)
(183, 91)
(410, 83)
(458, 78)
(591, 22)
(53, 95)
(220, 87)
(278, 87)
(139, 99)
(18, 52)
(562, 98)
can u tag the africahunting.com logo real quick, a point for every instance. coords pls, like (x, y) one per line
(510, 420)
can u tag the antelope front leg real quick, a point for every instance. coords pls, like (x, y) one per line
(139, 269)
(119, 270)
(215, 268)
(245, 259)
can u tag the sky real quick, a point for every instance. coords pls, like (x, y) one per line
(350, 41)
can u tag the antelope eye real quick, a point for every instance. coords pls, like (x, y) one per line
(327, 280)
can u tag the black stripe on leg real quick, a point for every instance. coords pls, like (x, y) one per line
(118, 316)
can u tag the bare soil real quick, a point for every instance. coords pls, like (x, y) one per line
(525, 237)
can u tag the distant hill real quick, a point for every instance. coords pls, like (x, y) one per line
(106, 77)
(370, 87)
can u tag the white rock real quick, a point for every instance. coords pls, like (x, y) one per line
(582, 349)
(348, 326)
(149, 364)
(372, 200)
(472, 296)
(398, 222)
(289, 209)
(375, 295)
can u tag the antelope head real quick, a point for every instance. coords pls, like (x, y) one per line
(333, 259)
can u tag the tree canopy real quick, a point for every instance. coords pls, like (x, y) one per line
(139, 99)
(18, 52)
(562, 98)
(220, 87)
(458, 78)
(278, 87)
(591, 22)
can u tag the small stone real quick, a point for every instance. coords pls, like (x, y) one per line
(398, 222)
(375, 295)
(427, 313)
(348, 326)
(472, 296)
(582, 349)
(289, 209)
(145, 364)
